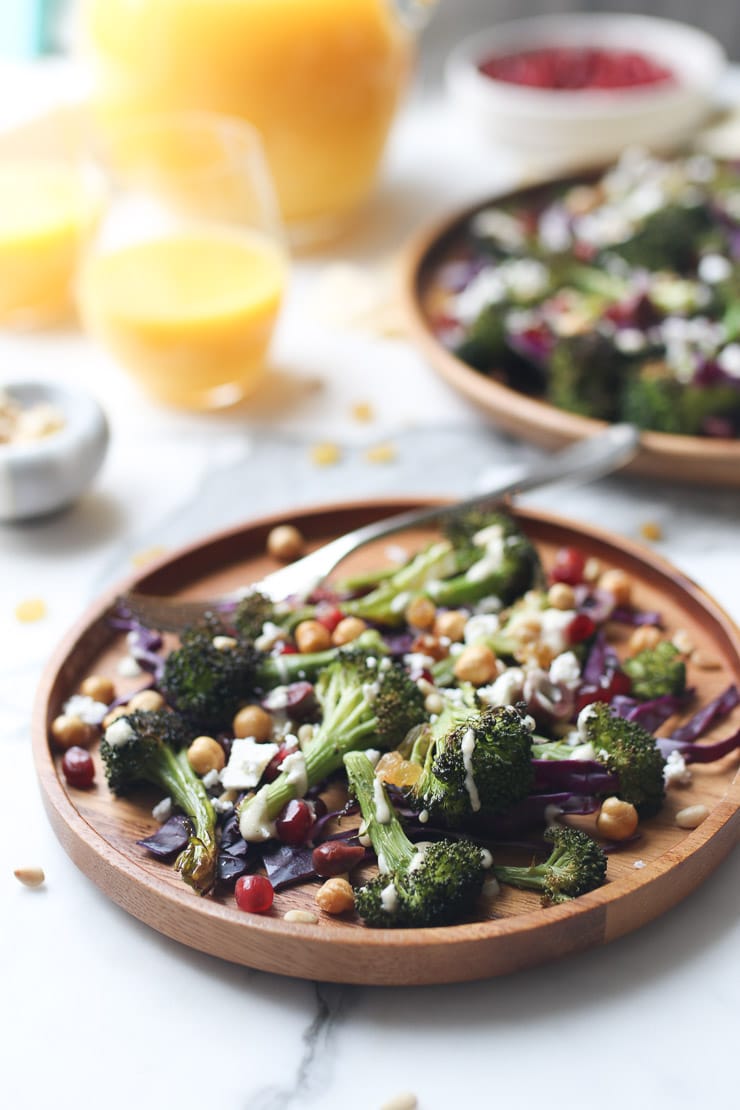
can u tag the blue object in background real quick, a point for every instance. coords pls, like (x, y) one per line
(27, 27)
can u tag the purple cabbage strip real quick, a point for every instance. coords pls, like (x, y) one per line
(713, 711)
(636, 617)
(319, 826)
(144, 644)
(596, 603)
(699, 753)
(288, 864)
(170, 838)
(533, 811)
(602, 659)
(650, 714)
(578, 776)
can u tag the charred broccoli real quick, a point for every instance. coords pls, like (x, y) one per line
(629, 751)
(652, 397)
(576, 865)
(418, 887)
(586, 373)
(656, 672)
(149, 747)
(483, 554)
(474, 762)
(364, 704)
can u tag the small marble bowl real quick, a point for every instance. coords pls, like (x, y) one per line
(47, 474)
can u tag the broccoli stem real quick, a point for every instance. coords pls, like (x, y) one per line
(388, 838)
(197, 863)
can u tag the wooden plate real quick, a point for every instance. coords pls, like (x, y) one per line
(512, 931)
(673, 457)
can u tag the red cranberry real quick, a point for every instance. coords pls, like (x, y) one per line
(78, 768)
(581, 628)
(254, 893)
(294, 822)
(329, 616)
(568, 566)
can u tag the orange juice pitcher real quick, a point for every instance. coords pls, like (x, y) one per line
(320, 79)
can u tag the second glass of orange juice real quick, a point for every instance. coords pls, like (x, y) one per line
(184, 279)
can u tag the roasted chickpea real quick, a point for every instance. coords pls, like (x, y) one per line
(617, 820)
(285, 543)
(99, 688)
(312, 636)
(451, 625)
(421, 613)
(618, 584)
(335, 896)
(561, 596)
(476, 664)
(71, 732)
(348, 630)
(206, 754)
(643, 638)
(253, 721)
(147, 700)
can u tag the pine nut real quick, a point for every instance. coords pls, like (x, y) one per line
(301, 917)
(691, 817)
(30, 876)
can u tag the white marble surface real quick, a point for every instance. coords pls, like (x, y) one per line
(97, 1009)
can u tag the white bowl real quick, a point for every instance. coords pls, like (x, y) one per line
(590, 124)
(47, 474)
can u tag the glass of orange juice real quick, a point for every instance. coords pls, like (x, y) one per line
(184, 279)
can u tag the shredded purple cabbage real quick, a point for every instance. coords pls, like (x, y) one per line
(650, 714)
(699, 753)
(602, 659)
(578, 776)
(170, 838)
(713, 711)
(636, 617)
(534, 810)
(144, 644)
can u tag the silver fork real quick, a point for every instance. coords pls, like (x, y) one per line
(583, 461)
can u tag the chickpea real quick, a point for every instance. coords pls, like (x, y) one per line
(561, 596)
(592, 569)
(617, 820)
(421, 613)
(451, 625)
(335, 896)
(99, 688)
(312, 636)
(285, 543)
(618, 584)
(70, 732)
(119, 711)
(647, 636)
(476, 664)
(206, 754)
(348, 630)
(147, 700)
(252, 720)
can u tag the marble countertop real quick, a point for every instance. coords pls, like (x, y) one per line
(97, 1008)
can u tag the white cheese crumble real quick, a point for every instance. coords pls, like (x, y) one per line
(481, 627)
(162, 811)
(127, 667)
(554, 624)
(714, 268)
(212, 779)
(247, 764)
(269, 636)
(119, 733)
(639, 864)
(506, 690)
(676, 771)
(87, 709)
(222, 805)
(383, 867)
(224, 643)
(421, 851)
(565, 670)
(729, 360)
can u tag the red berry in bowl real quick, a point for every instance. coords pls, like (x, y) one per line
(254, 893)
(580, 628)
(568, 566)
(78, 768)
(294, 822)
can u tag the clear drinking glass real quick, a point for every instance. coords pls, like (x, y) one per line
(184, 279)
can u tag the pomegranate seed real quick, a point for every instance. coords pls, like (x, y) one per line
(580, 628)
(78, 768)
(329, 616)
(286, 649)
(568, 566)
(254, 893)
(294, 822)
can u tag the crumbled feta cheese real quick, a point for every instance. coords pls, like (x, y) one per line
(424, 817)
(554, 624)
(629, 340)
(481, 627)
(714, 268)
(162, 811)
(565, 670)
(127, 667)
(675, 770)
(222, 805)
(247, 763)
(212, 779)
(87, 709)
(506, 690)
(529, 723)
(489, 605)
(416, 661)
(254, 824)
(639, 864)
(729, 360)
(119, 733)
(493, 223)
(486, 288)
(271, 634)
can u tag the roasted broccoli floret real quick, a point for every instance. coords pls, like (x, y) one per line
(667, 239)
(585, 375)
(576, 865)
(253, 611)
(629, 751)
(483, 554)
(653, 398)
(475, 762)
(656, 672)
(363, 706)
(418, 887)
(150, 747)
(210, 675)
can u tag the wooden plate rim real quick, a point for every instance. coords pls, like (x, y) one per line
(534, 419)
(79, 837)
